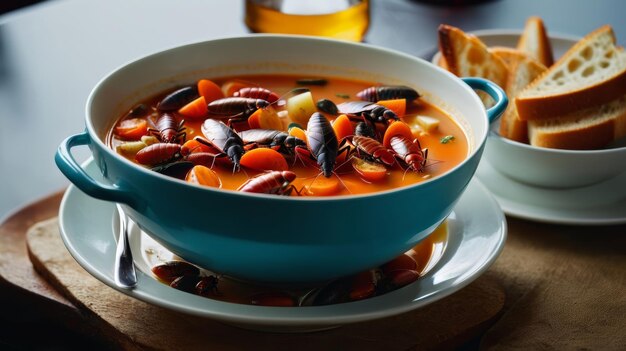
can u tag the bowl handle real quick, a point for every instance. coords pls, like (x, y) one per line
(496, 93)
(72, 170)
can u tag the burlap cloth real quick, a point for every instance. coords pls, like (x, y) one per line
(566, 288)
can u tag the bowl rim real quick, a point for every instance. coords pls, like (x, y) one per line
(480, 139)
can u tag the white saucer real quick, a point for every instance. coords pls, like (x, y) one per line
(476, 238)
(599, 204)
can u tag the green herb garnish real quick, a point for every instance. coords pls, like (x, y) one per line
(447, 139)
(343, 96)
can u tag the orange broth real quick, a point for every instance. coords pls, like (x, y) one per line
(441, 156)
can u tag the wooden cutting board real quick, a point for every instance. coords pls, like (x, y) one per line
(132, 324)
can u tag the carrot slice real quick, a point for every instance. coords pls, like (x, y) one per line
(265, 119)
(398, 106)
(254, 121)
(323, 186)
(396, 128)
(132, 129)
(209, 90)
(369, 171)
(342, 127)
(264, 159)
(196, 109)
(229, 88)
(298, 133)
(202, 175)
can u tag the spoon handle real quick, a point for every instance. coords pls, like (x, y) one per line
(124, 271)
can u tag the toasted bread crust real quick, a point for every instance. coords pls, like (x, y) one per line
(534, 40)
(592, 128)
(446, 47)
(589, 138)
(466, 55)
(522, 72)
(547, 107)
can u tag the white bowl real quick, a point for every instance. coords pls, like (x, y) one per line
(555, 168)
(537, 166)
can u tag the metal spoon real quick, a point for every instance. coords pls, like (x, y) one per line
(124, 271)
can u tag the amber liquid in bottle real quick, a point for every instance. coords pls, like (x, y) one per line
(347, 20)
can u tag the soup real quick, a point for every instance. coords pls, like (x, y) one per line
(399, 272)
(286, 135)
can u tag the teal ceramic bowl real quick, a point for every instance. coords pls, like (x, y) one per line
(267, 238)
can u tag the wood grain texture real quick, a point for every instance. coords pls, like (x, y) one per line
(31, 306)
(15, 268)
(133, 324)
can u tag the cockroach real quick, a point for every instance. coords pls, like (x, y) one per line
(355, 107)
(203, 158)
(186, 283)
(342, 290)
(177, 169)
(274, 182)
(171, 270)
(367, 110)
(389, 92)
(327, 106)
(275, 139)
(409, 152)
(323, 143)
(207, 286)
(223, 138)
(168, 130)
(236, 107)
(380, 114)
(364, 129)
(257, 93)
(179, 98)
(159, 153)
(373, 149)
(137, 111)
(337, 291)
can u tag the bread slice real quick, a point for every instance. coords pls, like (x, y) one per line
(467, 56)
(592, 128)
(442, 62)
(591, 73)
(534, 40)
(509, 55)
(522, 71)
